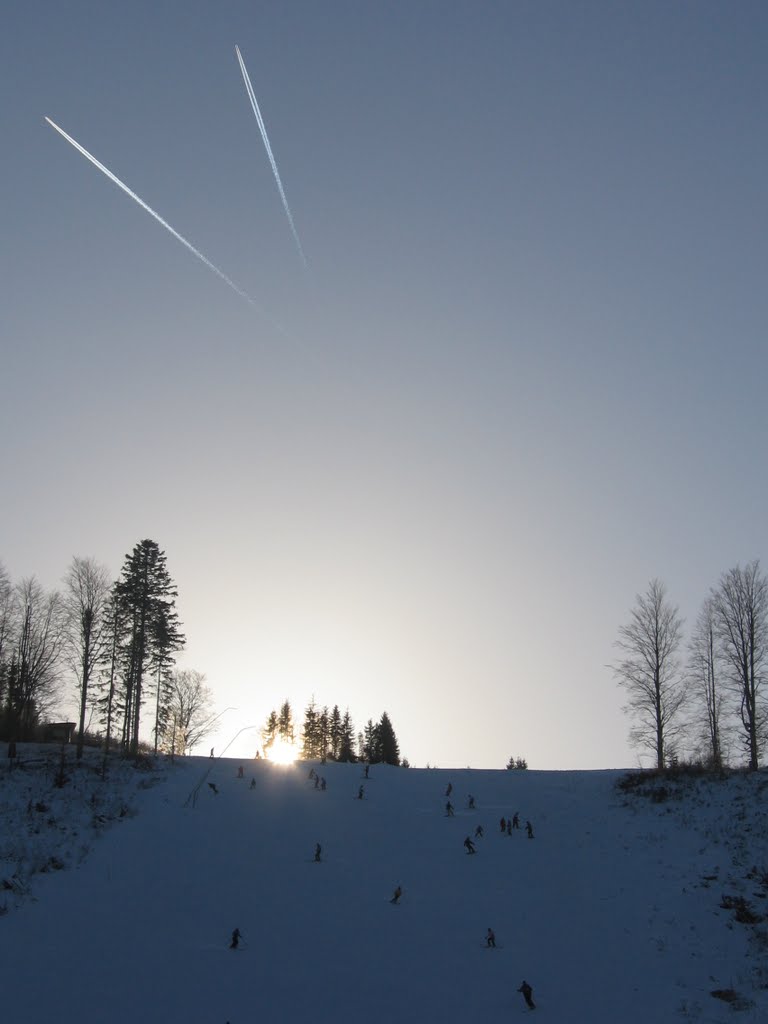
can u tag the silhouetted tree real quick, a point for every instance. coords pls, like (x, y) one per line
(650, 672)
(269, 732)
(347, 739)
(389, 748)
(706, 693)
(741, 622)
(148, 597)
(87, 588)
(190, 709)
(310, 739)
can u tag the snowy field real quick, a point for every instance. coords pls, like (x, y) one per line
(119, 899)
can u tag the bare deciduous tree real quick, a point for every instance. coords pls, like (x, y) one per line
(706, 690)
(87, 589)
(741, 615)
(650, 671)
(190, 711)
(33, 686)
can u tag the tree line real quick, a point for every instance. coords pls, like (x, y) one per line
(705, 694)
(116, 641)
(326, 734)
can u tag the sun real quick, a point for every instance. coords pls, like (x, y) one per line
(282, 752)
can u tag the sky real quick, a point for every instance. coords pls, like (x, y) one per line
(620, 903)
(522, 374)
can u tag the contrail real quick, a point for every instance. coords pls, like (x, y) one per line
(124, 187)
(270, 154)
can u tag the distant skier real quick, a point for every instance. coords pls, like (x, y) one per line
(516, 820)
(322, 783)
(311, 773)
(240, 771)
(529, 829)
(366, 770)
(360, 793)
(212, 785)
(449, 809)
(317, 781)
(503, 825)
(490, 939)
(318, 851)
(236, 936)
(509, 827)
(211, 754)
(469, 845)
(527, 991)
(479, 832)
(253, 784)
(449, 790)
(396, 895)
(471, 803)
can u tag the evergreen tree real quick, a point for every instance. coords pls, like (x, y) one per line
(285, 722)
(334, 733)
(269, 732)
(389, 748)
(148, 597)
(347, 739)
(323, 733)
(310, 749)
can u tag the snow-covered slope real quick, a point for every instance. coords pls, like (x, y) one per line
(611, 912)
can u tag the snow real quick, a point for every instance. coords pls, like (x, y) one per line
(612, 912)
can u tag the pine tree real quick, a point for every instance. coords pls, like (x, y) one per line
(285, 722)
(309, 733)
(389, 749)
(334, 733)
(269, 732)
(347, 739)
(148, 596)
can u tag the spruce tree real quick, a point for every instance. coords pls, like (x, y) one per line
(389, 749)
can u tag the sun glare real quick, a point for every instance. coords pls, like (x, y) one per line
(282, 752)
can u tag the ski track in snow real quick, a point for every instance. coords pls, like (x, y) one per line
(612, 912)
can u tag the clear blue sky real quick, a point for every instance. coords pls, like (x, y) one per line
(525, 373)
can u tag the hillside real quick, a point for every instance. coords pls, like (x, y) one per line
(612, 911)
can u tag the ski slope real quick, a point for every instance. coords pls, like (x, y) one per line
(611, 912)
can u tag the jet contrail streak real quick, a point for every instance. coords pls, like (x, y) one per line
(124, 187)
(270, 154)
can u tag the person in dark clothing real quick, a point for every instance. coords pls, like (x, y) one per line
(503, 825)
(317, 782)
(318, 850)
(212, 785)
(253, 784)
(471, 802)
(490, 939)
(311, 773)
(322, 783)
(235, 939)
(479, 832)
(240, 771)
(469, 845)
(529, 829)
(527, 991)
(396, 895)
(367, 769)
(449, 790)
(449, 809)
(516, 820)
(360, 793)
(509, 827)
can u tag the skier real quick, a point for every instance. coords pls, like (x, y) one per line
(212, 785)
(367, 769)
(490, 939)
(516, 821)
(236, 936)
(396, 895)
(311, 773)
(529, 829)
(479, 832)
(503, 825)
(317, 781)
(318, 849)
(449, 790)
(322, 783)
(509, 827)
(211, 754)
(240, 771)
(449, 809)
(469, 845)
(253, 784)
(360, 793)
(527, 991)
(471, 802)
